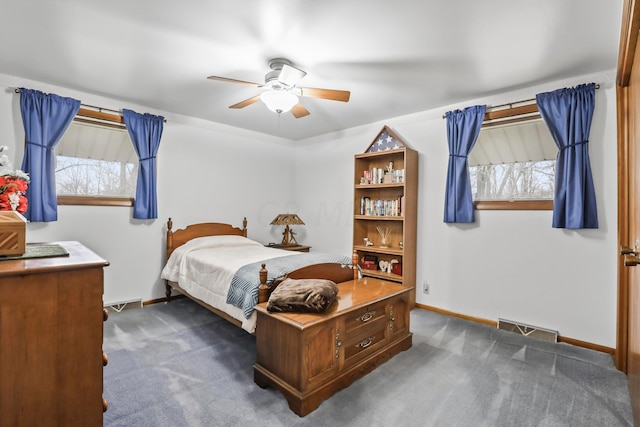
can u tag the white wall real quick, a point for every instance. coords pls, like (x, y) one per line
(205, 173)
(508, 264)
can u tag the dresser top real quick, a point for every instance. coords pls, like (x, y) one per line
(351, 295)
(79, 257)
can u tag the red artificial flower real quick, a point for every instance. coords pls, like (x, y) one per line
(5, 203)
(20, 185)
(23, 205)
(13, 187)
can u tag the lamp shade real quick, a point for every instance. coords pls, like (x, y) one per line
(279, 101)
(287, 219)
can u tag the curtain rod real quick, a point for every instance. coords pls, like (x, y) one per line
(100, 109)
(511, 104)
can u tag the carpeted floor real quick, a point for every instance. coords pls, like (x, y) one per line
(179, 365)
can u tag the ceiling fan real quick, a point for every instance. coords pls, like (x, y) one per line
(282, 94)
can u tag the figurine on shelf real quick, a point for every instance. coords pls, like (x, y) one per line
(367, 242)
(384, 234)
(387, 266)
(391, 268)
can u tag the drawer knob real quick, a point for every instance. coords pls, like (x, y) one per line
(366, 317)
(105, 314)
(105, 405)
(105, 359)
(338, 343)
(365, 342)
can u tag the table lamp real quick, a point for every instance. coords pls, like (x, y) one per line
(288, 236)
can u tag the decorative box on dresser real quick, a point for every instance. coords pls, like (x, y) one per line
(51, 323)
(308, 357)
(386, 203)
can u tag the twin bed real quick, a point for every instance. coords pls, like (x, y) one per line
(216, 265)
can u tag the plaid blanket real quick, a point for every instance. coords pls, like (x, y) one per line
(243, 291)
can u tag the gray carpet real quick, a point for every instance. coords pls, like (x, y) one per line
(179, 365)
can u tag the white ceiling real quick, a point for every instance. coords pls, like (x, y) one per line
(396, 57)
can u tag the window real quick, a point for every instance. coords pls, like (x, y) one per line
(96, 163)
(512, 165)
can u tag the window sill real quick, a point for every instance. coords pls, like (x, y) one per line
(95, 201)
(513, 205)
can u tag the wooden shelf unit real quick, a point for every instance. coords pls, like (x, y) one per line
(402, 226)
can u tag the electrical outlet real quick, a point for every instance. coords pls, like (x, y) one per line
(425, 287)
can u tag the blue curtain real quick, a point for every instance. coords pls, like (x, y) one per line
(145, 131)
(568, 114)
(45, 118)
(463, 128)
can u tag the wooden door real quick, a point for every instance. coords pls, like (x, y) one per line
(628, 104)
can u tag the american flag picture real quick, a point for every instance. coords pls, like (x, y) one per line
(384, 142)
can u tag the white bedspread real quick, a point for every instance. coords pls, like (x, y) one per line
(204, 267)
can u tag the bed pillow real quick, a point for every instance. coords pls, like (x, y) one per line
(225, 240)
(303, 295)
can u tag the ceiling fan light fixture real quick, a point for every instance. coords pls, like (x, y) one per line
(279, 101)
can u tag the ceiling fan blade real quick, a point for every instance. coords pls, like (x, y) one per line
(331, 94)
(225, 79)
(246, 102)
(290, 75)
(299, 110)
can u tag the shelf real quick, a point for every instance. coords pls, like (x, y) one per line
(379, 250)
(379, 218)
(376, 186)
(399, 151)
(381, 275)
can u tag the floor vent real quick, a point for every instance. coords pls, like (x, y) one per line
(528, 330)
(117, 307)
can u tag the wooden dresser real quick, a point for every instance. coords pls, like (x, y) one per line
(308, 357)
(51, 359)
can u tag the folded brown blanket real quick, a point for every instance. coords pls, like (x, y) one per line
(303, 295)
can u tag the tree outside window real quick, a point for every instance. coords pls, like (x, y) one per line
(515, 161)
(95, 160)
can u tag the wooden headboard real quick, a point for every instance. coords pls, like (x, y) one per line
(180, 237)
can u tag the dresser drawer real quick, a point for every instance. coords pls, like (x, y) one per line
(364, 316)
(365, 339)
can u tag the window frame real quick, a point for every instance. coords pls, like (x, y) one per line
(513, 205)
(118, 121)
(512, 114)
